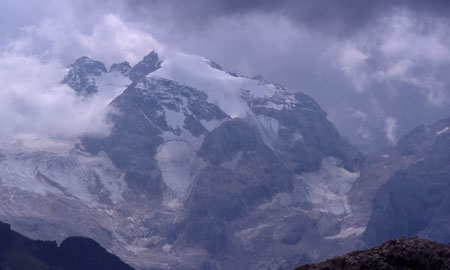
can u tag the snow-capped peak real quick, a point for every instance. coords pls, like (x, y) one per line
(223, 89)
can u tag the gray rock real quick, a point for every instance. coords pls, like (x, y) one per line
(150, 63)
(80, 75)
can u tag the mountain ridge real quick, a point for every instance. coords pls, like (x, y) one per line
(206, 169)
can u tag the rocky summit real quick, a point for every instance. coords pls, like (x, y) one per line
(402, 253)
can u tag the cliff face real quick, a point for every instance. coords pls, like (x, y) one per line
(414, 199)
(403, 253)
(21, 253)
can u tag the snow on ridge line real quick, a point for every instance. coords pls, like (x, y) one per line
(222, 89)
(442, 130)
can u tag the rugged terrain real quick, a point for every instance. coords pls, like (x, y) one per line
(414, 200)
(205, 169)
(403, 253)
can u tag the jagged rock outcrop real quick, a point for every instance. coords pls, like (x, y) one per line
(403, 253)
(149, 64)
(81, 73)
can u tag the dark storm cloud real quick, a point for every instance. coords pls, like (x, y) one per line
(355, 51)
(338, 17)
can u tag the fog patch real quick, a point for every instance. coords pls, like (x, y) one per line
(34, 103)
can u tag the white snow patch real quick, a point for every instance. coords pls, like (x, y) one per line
(250, 233)
(179, 164)
(385, 156)
(212, 124)
(140, 85)
(272, 105)
(347, 232)
(135, 249)
(64, 172)
(268, 130)
(174, 119)
(443, 130)
(296, 136)
(112, 82)
(328, 187)
(222, 89)
(166, 248)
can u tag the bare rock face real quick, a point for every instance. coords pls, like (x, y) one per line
(149, 64)
(415, 198)
(81, 73)
(403, 253)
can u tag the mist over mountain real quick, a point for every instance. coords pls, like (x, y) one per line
(143, 125)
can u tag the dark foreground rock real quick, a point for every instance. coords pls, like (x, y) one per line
(403, 253)
(18, 252)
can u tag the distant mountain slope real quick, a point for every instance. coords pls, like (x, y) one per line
(209, 147)
(403, 253)
(75, 253)
(202, 169)
(415, 198)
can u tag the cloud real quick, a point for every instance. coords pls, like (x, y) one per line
(401, 50)
(34, 103)
(390, 129)
(340, 18)
(352, 61)
(110, 40)
(344, 54)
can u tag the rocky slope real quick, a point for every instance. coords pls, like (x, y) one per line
(21, 253)
(414, 198)
(403, 253)
(212, 147)
(205, 169)
(202, 169)
(215, 171)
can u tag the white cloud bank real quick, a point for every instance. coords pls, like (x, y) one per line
(34, 103)
(401, 50)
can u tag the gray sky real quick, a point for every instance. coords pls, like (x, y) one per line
(379, 68)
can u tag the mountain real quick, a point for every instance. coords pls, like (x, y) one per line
(206, 169)
(79, 74)
(74, 253)
(210, 147)
(403, 253)
(202, 169)
(412, 197)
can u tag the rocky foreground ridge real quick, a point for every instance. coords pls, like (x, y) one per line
(402, 253)
(18, 252)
